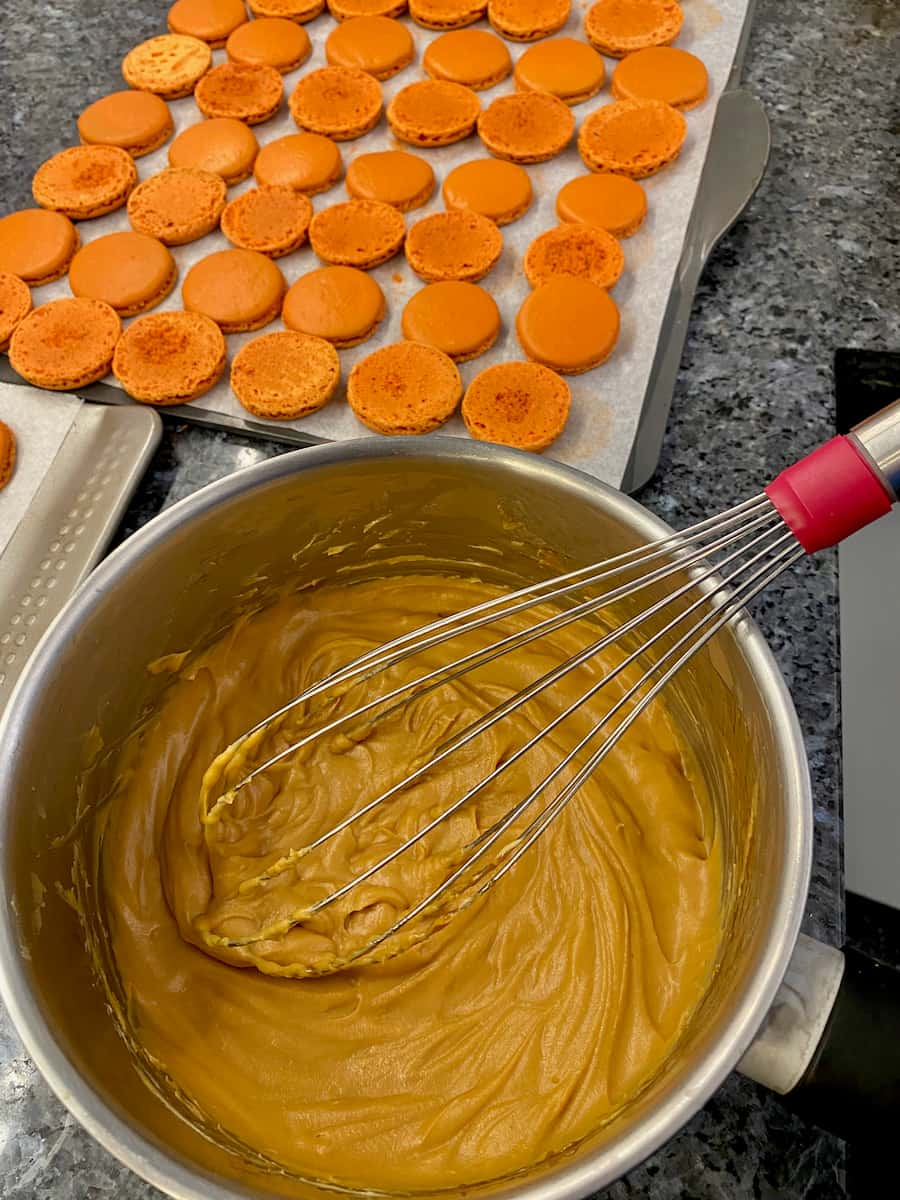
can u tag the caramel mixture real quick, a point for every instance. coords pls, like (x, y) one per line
(518, 1028)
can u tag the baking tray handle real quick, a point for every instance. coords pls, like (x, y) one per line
(735, 164)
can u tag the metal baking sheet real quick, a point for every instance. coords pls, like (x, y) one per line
(70, 518)
(40, 427)
(612, 403)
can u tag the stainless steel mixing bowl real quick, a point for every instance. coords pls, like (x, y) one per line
(181, 580)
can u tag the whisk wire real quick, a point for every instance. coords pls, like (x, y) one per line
(752, 544)
(754, 586)
(420, 638)
(517, 701)
(440, 676)
(757, 582)
(769, 536)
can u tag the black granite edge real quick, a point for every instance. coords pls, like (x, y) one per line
(873, 928)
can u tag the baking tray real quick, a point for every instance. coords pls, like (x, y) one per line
(735, 164)
(75, 512)
(617, 428)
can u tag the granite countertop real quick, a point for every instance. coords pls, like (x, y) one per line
(800, 274)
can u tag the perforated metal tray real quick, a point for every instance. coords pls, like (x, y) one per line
(67, 527)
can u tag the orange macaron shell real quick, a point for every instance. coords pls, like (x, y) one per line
(294, 10)
(528, 20)
(37, 245)
(84, 182)
(568, 324)
(526, 127)
(307, 162)
(178, 205)
(170, 65)
(564, 67)
(15, 305)
(130, 271)
(491, 186)
(613, 202)
(459, 318)
(285, 376)
(222, 145)
(169, 358)
(344, 10)
(212, 21)
(433, 112)
(405, 388)
(138, 122)
(661, 73)
(571, 249)
(475, 58)
(520, 404)
(7, 454)
(619, 27)
(453, 245)
(340, 102)
(358, 233)
(271, 42)
(394, 177)
(378, 45)
(272, 220)
(238, 289)
(250, 92)
(65, 344)
(446, 14)
(341, 304)
(632, 137)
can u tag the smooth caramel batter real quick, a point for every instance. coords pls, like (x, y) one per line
(521, 1026)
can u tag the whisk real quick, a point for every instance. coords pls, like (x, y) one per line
(714, 567)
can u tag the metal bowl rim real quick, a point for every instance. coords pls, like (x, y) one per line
(572, 1179)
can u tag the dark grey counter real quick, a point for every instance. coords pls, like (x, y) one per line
(808, 268)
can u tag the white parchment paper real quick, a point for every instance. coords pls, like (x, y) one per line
(606, 402)
(40, 424)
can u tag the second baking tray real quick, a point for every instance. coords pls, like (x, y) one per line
(73, 514)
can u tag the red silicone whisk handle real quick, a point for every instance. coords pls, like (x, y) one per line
(844, 485)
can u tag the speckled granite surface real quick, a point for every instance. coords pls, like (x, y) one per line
(808, 268)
